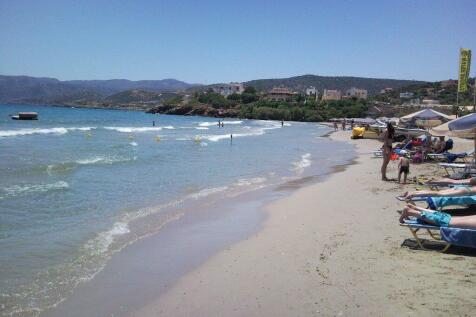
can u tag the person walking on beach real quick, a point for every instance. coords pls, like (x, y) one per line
(403, 167)
(387, 149)
(335, 126)
(282, 123)
(343, 125)
(352, 124)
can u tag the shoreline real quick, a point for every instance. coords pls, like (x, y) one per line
(242, 216)
(318, 254)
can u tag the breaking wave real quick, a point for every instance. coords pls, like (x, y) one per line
(138, 129)
(303, 163)
(213, 123)
(19, 190)
(57, 131)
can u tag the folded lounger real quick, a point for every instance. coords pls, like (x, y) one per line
(448, 235)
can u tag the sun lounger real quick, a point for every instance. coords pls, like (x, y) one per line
(437, 156)
(449, 157)
(446, 235)
(437, 203)
(433, 231)
(455, 166)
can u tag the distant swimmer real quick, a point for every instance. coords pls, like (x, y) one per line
(89, 134)
(131, 137)
(153, 123)
(282, 123)
(231, 138)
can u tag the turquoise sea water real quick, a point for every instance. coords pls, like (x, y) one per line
(80, 184)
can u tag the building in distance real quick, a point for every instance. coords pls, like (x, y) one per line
(331, 94)
(386, 90)
(228, 89)
(356, 93)
(406, 95)
(450, 83)
(311, 91)
(280, 94)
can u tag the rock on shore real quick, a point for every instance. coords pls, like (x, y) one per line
(191, 110)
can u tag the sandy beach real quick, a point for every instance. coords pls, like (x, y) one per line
(330, 249)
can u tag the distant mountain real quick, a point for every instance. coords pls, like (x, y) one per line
(300, 83)
(20, 89)
(112, 86)
(138, 96)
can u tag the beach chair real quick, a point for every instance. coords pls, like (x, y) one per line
(446, 235)
(437, 156)
(449, 157)
(438, 203)
(462, 167)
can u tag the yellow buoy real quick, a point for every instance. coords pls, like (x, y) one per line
(157, 138)
(131, 137)
(197, 139)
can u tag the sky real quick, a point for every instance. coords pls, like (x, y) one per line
(221, 41)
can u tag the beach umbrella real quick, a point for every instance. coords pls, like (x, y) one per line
(463, 127)
(426, 118)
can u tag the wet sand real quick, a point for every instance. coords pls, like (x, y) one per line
(330, 249)
(145, 270)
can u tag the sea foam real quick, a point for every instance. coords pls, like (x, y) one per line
(57, 131)
(17, 190)
(138, 129)
(300, 165)
(215, 123)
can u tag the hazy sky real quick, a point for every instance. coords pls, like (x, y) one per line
(219, 41)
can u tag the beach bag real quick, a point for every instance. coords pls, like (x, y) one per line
(394, 156)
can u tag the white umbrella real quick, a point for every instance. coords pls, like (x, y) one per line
(464, 127)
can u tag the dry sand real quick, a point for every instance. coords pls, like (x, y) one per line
(330, 249)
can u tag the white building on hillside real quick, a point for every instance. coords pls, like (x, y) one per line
(356, 93)
(228, 89)
(406, 95)
(311, 91)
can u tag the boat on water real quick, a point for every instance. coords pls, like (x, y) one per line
(26, 116)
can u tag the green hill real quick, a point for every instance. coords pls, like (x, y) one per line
(300, 83)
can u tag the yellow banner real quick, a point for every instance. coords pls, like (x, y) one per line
(464, 66)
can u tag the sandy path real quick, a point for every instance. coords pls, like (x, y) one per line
(329, 249)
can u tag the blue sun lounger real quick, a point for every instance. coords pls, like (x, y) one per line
(447, 235)
(437, 203)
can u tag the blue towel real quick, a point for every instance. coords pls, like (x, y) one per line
(451, 157)
(439, 202)
(460, 237)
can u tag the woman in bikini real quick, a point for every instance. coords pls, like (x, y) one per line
(387, 149)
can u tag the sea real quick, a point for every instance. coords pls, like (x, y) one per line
(79, 185)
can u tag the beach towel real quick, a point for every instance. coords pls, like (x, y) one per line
(440, 202)
(458, 236)
(451, 157)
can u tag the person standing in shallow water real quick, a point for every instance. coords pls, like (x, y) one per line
(387, 149)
